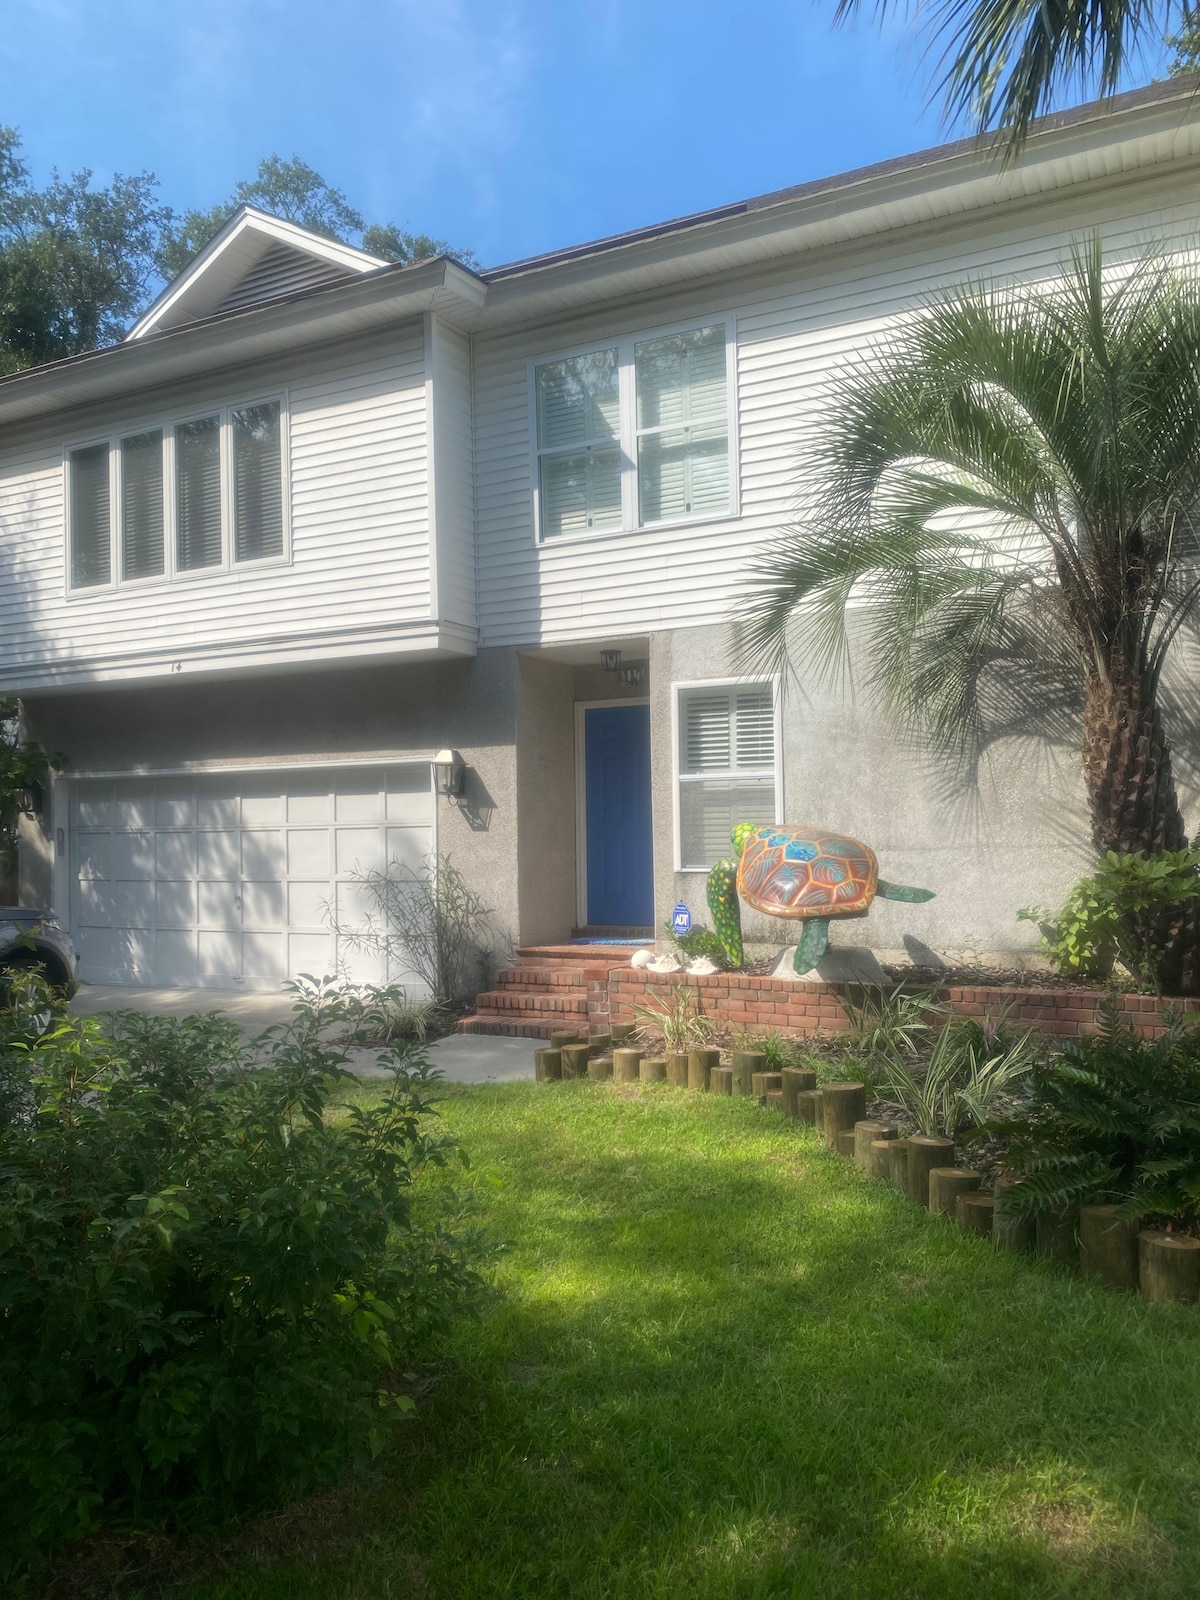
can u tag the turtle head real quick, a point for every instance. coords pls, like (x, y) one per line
(740, 834)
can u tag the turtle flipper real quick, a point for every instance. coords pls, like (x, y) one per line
(901, 891)
(726, 912)
(814, 941)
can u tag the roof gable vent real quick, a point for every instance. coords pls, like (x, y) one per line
(281, 271)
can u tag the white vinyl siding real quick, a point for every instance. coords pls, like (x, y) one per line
(727, 768)
(91, 535)
(635, 433)
(796, 325)
(357, 505)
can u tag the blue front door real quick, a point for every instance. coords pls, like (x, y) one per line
(620, 851)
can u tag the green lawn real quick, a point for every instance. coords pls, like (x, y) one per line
(724, 1364)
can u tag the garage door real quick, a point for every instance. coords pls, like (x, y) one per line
(233, 882)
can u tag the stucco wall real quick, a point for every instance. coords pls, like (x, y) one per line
(385, 710)
(1021, 838)
(546, 798)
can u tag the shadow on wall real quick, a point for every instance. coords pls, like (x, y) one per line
(476, 806)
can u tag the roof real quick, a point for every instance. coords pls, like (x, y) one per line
(1111, 139)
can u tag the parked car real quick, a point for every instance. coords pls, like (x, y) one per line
(32, 938)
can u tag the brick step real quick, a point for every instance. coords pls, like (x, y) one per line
(537, 978)
(572, 1004)
(507, 1027)
(573, 955)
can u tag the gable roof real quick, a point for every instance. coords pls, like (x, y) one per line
(253, 257)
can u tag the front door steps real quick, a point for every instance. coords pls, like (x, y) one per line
(546, 990)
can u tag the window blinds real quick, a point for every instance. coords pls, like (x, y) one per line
(91, 535)
(727, 767)
(142, 552)
(198, 494)
(257, 483)
(579, 424)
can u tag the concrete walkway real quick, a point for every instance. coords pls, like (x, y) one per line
(460, 1058)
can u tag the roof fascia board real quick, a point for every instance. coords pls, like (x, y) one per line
(966, 178)
(257, 332)
(249, 220)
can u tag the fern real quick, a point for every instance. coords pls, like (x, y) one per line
(1113, 1119)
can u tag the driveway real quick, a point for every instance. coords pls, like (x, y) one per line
(460, 1057)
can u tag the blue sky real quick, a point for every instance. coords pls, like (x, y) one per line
(509, 126)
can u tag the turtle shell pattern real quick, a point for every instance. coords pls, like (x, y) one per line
(794, 870)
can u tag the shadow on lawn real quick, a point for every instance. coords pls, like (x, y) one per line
(724, 1367)
(739, 1370)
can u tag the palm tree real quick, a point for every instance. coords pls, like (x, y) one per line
(1004, 62)
(1010, 494)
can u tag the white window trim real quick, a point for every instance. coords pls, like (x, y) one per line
(677, 775)
(629, 432)
(172, 573)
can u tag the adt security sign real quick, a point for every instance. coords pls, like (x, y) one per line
(681, 919)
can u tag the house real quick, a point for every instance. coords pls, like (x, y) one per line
(319, 518)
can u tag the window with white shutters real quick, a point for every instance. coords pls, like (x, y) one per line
(682, 426)
(194, 495)
(634, 434)
(579, 448)
(727, 766)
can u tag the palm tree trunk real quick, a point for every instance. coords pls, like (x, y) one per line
(1133, 801)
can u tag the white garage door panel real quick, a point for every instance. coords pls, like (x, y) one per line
(214, 883)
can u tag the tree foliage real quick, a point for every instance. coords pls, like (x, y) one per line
(1001, 63)
(79, 261)
(1005, 495)
(294, 191)
(24, 765)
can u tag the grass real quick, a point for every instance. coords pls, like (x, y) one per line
(724, 1365)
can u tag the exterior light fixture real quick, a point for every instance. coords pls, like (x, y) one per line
(449, 774)
(632, 677)
(610, 660)
(31, 800)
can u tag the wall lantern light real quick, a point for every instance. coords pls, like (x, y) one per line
(31, 800)
(449, 773)
(610, 660)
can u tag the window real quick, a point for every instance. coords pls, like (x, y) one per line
(91, 547)
(727, 766)
(637, 432)
(143, 552)
(196, 495)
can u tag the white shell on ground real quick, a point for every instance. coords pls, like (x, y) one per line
(663, 964)
(641, 958)
(702, 967)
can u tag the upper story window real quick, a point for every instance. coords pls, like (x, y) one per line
(189, 496)
(727, 765)
(634, 434)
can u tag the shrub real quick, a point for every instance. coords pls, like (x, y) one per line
(208, 1283)
(892, 1023)
(1112, 1119)
(699, 942)
(428, 920)
(970, 1065)
(1128, 907)
(678, 1020)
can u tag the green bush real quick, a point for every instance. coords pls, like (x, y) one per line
(1112, 1119)
(970, 1064)
(1127, 907)
(699, 942)
(209, 1282)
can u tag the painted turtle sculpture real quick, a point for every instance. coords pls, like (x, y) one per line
(795, 870)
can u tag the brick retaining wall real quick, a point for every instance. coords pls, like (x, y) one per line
(733, 1001)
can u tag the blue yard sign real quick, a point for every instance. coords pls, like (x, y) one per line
(681, 919)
